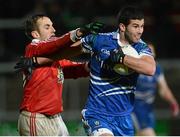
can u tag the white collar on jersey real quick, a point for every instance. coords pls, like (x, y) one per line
(35, 40)
(120, 43)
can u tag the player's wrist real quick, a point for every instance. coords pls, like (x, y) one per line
(34, 62)
(75, 35)
(174, 108)
(78, 33)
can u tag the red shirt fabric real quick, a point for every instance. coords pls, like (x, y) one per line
(39, 48)
(43, 90)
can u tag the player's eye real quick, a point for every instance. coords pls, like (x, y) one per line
(47, 27)
(135, 26)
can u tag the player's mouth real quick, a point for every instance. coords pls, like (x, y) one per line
(137, 37)
(53, 35)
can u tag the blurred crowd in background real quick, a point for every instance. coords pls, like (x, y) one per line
(162, 21)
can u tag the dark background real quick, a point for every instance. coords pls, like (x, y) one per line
(162, 22)
(162, 27)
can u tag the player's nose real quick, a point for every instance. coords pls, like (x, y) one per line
(53, 30)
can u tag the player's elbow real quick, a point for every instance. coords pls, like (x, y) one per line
(151, 70)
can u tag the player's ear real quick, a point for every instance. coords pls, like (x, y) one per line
(35, 34)
(122, 27)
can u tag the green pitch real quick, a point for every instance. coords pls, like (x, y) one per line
(75, 128)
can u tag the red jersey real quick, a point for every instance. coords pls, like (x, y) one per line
(43, 90)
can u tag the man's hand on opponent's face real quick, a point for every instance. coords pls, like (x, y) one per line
(26, 64)
(92, 28)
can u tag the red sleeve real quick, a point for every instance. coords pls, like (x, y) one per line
(48, 47)
(73, 69)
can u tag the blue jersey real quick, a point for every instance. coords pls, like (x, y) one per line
(110, 93)
(147, 87)
(144, 99)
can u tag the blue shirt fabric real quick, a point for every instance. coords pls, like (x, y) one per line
(147, 86)
(110, 93)
(144, 99)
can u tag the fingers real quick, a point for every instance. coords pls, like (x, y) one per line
(96, 27)
(21, 64)
(99, 24)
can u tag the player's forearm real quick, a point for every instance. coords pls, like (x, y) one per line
(66, 53)
(167, 95)
(77, 44)
(145, 65)
(51, 46)
(44, 61)
(164, 90)
(54, 44)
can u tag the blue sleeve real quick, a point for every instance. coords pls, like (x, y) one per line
(159, 70)
(143, 48)
(88, 42)
(146, 50)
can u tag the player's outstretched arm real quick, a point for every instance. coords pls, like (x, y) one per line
(28, 64)
(65, 53)
(166, 93)
(54, 44)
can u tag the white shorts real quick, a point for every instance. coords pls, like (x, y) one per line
(36, 124)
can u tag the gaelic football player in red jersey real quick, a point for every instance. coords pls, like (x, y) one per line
(42, 97)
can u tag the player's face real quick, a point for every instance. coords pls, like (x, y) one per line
(134, 30)
(45, 28)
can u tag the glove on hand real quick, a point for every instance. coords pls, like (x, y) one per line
(174, 109)
(92, 28)
(26, 64)
(117, 56)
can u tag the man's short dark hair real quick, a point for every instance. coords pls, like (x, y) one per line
(31, 24)
(128, 13)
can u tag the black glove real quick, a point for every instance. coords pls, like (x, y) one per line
(117, 56)
(26, 64)
(92, 28)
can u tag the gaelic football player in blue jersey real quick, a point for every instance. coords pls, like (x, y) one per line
(111, 91)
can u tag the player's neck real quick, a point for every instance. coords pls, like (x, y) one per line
(123, 42)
